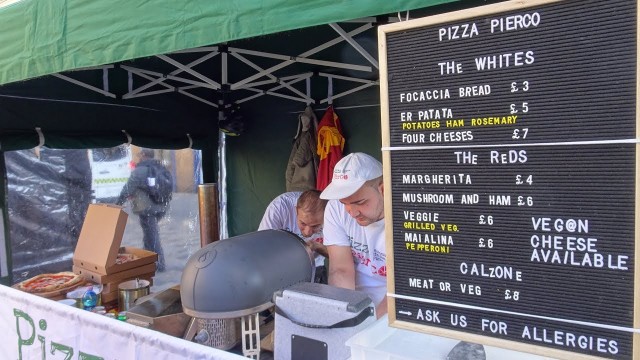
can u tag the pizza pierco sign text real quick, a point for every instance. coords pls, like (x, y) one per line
(509, 142)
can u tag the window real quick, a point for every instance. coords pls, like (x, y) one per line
(50, 190)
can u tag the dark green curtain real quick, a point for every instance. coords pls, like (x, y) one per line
(257, 160)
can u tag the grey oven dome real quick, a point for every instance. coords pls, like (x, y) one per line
(238, 276)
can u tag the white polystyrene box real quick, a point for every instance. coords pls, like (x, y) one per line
(313, 321)
(381, 342)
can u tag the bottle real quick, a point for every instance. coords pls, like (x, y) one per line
(122, 316)
(89, 299)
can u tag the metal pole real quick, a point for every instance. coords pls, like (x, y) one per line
(208, 208)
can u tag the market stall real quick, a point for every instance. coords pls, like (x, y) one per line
(170, 101)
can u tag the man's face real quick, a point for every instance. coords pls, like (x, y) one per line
(309, 222)
(366, 205)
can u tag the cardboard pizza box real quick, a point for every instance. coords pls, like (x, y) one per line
(115, 277)
(99, 242)
(109, 297)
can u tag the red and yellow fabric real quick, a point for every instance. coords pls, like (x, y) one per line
(330, 146)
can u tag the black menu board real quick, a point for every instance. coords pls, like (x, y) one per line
(509, 148)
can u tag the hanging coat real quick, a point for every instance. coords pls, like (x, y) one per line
(303, 161)
(330, 146)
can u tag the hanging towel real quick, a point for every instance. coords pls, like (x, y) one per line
(330, 146)
(302, 167)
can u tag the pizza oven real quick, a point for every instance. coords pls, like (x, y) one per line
(236, 278)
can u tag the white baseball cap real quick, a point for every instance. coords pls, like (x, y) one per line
(350, 173)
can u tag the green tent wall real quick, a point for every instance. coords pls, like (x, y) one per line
(41, 37)
(257, 160)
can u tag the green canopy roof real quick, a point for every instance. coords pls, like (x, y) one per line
(41, 37)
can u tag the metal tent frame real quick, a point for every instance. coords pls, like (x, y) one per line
(187, 81)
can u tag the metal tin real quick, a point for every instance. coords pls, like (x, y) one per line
(130, 291)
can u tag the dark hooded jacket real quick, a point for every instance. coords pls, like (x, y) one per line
(136, 189)
(302, 166)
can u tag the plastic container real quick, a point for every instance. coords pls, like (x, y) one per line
(70, 302)
(76, 295)
(381, 342)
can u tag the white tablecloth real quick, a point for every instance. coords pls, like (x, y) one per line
(31, 325)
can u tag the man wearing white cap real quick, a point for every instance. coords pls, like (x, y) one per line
(354, 228)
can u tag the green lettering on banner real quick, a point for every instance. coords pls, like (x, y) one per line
(42, 347)
(67, 350)
(83, 356)
(55, 347)
(21, 341)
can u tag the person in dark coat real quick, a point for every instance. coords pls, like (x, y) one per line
(77, 177)
(147, 210)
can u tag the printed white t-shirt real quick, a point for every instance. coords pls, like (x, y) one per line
(281, 215)
(367, 247)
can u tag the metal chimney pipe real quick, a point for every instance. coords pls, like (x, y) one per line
(209, 214)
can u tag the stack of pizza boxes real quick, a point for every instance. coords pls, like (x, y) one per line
(98, 256)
